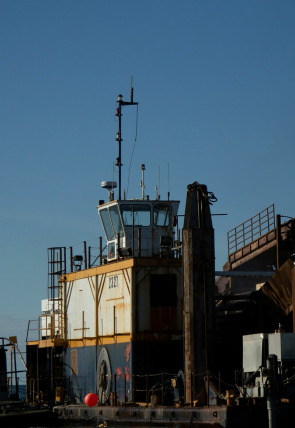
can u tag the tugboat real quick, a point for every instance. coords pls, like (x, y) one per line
(132, 338)
(122, 317)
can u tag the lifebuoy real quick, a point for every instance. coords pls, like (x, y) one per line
(104, 376)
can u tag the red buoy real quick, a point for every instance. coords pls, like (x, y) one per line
(91, 399)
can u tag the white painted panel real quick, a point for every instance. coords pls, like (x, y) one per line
(115, 294)
(82, 299)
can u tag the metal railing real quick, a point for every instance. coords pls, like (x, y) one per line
(251, 229)
(165, 388)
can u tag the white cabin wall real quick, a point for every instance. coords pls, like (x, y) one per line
(114, 310)
(82, 299)
(115, 294)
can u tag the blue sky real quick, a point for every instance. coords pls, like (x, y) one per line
(215, 84)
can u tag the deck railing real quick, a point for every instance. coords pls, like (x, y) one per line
(164, 389)
(251, 229)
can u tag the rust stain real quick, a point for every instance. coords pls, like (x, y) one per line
(128, 375)
(119, 371)
(127, 352)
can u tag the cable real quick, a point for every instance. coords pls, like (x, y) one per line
(206, 194)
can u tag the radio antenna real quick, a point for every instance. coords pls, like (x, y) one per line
(119, 138)
(142, 180)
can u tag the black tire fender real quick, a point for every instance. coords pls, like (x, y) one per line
(104, 376)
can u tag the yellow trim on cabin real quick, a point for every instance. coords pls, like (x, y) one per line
(99, 270)
(108, 340)
(120, 265)
(47, 343)
(100, 341)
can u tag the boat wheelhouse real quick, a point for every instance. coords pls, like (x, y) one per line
(138, 227)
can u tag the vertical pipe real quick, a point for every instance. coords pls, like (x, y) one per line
(124, 389)
(114, 320)
(119, 141)
(115, 389)
(52, 267)
(100, 250)
(82, 325)
(89, 257)
(139, 242)
(96, 330)
(96, 308)
(15, 373)
(71, 258)
(65, 317)
(118, 245)
(11, 371)
(60, 261)
(85, 255)
(65, 260)
(270, 400)
(278, 236)
(39, 328)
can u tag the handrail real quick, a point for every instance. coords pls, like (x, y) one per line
(251, 229)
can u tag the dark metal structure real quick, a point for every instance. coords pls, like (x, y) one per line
(198, 289)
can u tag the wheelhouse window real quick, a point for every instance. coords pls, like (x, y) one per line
(116, 220)
(161, 215)
(136, 215)
(106, 221)
(112, 222)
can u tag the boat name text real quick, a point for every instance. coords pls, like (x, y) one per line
(113, 281)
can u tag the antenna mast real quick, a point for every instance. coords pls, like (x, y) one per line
(142, 181)
(119, 138)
